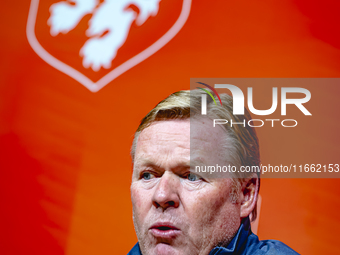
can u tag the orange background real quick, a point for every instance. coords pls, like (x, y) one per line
(64, 159)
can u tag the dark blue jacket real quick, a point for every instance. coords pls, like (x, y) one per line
(244, 243)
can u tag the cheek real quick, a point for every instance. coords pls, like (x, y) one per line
(141, 201)
(135, 197)
(200, 207)
(214, 218)
(211, 208)
(137, 209)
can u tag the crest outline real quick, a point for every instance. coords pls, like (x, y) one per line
(115, 72)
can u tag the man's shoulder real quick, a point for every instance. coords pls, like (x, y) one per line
(247, 243)
(268, 247)
(135, 250)
(253, 247)
(265, 247)
(250, 243)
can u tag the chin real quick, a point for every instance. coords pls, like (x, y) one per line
(164, 249)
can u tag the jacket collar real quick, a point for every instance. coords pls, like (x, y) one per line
(239, 242)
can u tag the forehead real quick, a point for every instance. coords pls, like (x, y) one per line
(164, 137)
(164, 129)
(196, 139)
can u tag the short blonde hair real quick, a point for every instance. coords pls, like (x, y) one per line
(242, 142)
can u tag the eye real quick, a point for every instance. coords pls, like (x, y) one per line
(147, 176)
(192, 177)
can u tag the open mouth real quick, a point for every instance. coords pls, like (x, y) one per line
(164, 228)
(164, 231)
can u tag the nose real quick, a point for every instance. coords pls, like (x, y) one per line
(166, 194)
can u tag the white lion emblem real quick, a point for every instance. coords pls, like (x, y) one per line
(108, 27)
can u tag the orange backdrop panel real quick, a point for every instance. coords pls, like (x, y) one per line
(64, 159)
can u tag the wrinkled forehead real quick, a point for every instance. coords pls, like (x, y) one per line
(193, 138)
(186, 130)
(170, 137)
(165, 131)
(166, 128)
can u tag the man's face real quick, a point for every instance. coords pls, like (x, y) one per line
(175, 209)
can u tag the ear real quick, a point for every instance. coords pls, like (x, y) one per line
(249, 194)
